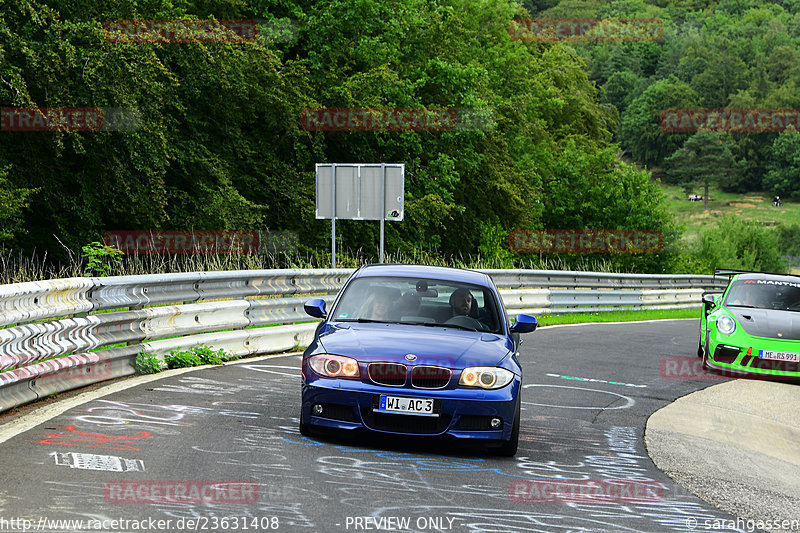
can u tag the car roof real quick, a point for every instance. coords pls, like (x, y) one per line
(424, 271)
(756, 276)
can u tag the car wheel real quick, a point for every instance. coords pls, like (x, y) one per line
(700, 350)
(509, 448)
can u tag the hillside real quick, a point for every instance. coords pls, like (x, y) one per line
(752, 206)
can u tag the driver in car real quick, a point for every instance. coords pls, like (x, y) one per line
(377, 307)
(461, 302)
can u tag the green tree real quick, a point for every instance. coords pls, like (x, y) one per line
(705, 157)
(783, 177)
(783, 64)
(13, 202)
(641, 133)
(596, 190)
(621, 89)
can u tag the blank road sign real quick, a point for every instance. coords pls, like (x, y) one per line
(358, 191)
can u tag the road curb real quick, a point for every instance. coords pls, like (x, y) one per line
(735, 445)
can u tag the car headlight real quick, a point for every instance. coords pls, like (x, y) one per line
(726, 325)
(334, 366)
(486, 377)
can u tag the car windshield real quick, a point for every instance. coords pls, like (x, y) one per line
(764, 294)
(420, 301)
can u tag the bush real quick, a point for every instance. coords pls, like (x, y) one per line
(101, 259)
(789, 237)
(685, 262)
(742, 244)
(211, 357)
(196, 356)
(177, 359)
(146, 363)
(493, 245)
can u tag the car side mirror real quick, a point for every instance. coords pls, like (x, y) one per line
(315, 308)
(710, 301)
(524, 324)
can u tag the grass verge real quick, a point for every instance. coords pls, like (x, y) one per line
(617, 316)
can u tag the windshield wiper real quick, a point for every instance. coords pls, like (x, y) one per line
(435, 325)
(363, 320)
(743, 305)
(429, 324)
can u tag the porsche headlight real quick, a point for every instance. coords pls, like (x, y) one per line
(726, 325)
(486, 377)
(334, 366)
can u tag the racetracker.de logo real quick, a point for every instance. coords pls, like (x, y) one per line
(23, 119)
(729, 120)
(584, 491)
(563, 241)
(180, 31)
(181, 492)
(183, 242)
(395, 119)
(686, 368)
(79, 368)
(586, 30)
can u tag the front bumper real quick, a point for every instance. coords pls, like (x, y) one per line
(462, 413)
(737, 355)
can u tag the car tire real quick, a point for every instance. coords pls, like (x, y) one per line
(508, 448)
(700, 350)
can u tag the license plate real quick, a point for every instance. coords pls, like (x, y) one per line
(779, 356)
(409, 406)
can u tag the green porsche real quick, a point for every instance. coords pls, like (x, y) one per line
(753, 327)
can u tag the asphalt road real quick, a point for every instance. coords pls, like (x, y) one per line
(229, 434)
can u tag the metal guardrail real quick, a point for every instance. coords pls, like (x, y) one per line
(52, 343)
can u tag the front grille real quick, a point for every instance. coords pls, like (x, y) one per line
(391, 374)
(771, 364)
(423, 425)
(726, 354)
(430, 377)
(475, 423)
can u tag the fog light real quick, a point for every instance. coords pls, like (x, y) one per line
(496, 423)
(317, 409)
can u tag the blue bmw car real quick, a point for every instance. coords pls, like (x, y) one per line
(415, 350)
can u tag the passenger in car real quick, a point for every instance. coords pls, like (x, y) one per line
(748, 296)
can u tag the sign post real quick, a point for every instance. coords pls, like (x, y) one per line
(360, 191)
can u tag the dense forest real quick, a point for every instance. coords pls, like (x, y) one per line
(738, 54)
(219, 144)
